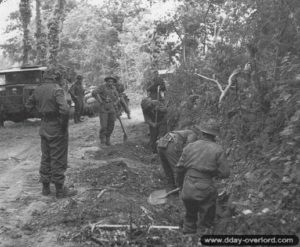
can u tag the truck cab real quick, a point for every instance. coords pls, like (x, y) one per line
(16, 85)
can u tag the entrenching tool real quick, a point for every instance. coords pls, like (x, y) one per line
(160, 196)
(125, 137)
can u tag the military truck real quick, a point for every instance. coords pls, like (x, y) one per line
(16, 85)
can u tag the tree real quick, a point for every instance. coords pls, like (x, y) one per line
(41, 38)
(54, 27)
(25, 12)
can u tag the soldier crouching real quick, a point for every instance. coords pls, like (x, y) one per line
(169, 149)
(199, 163)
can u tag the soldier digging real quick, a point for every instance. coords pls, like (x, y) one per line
(199, 163)
(170, 148)
(155, 111)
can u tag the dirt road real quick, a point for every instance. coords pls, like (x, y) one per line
(128, 173)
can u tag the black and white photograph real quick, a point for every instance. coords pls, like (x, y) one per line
(140, 123)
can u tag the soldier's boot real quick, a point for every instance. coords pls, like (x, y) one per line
(63, 192)
(128, 115)
(46, 189)
(108, 143)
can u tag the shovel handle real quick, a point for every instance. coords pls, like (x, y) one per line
(172, 191)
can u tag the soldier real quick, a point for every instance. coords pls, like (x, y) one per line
(155, 111)
(155, 116)
(77, 94)
(108, 98)
(199, 163)
(170, 148)
(49, 100)
(120, 88)
(157, 87)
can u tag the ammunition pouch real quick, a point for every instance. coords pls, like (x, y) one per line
(165, 140)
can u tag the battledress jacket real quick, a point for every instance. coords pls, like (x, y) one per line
(77, 91)
(199, 163)
(179, 137)
(109, 97)
(49, 100)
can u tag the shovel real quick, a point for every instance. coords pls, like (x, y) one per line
(160, 196)
(125, 137)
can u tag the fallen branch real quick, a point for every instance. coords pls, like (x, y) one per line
(147, 213)
(107, 226)
(101, 193)
(229, 84)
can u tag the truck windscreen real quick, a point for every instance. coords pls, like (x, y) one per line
(23, 77)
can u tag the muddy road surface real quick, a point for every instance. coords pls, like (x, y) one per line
(113, 184)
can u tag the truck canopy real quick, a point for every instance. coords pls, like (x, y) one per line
(21, 75)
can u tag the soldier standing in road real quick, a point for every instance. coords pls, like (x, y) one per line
(170, 148)
(199, 163)
(49, 100)
(77, 94)
(108, 98)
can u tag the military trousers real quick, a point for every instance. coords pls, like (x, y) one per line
(169, 157)
(201, 212)
(199, 197)
(54, 158)
(107, 124)
(78, 109)
(155, 134)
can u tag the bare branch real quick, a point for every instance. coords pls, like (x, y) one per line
(210, 79)
(230, 81)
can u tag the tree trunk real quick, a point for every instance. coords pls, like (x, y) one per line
(41, 38)
(25, 12)
(54, 28)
